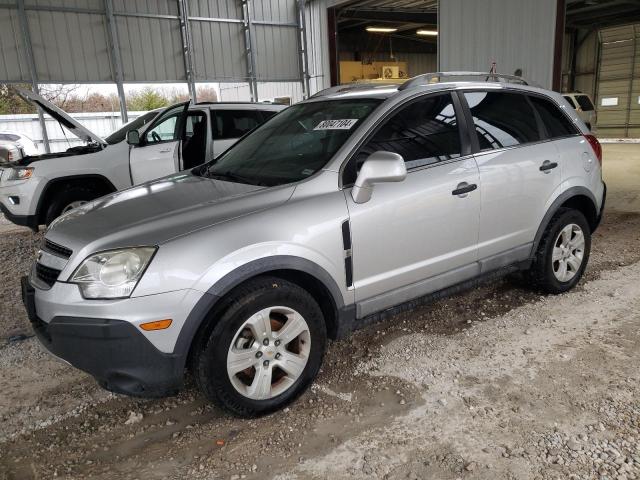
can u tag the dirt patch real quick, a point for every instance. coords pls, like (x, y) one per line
(455, 389)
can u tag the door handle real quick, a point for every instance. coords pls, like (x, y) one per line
(463, 188)
(165, 150)
(547, 166)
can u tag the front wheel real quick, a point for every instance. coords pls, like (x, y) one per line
(264, 350)
(67, 199)
(563, 252)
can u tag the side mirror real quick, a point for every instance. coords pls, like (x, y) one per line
(379, 167)
(133, 137)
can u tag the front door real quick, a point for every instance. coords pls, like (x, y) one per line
(420, 234)
(159, 151)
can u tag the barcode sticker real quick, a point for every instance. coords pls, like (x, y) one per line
(339, 124)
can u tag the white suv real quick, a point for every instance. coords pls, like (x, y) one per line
(38, 188)
(341, 209)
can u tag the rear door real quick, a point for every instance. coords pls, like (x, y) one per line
(420, 229)
(519, 171)
(229, 125)
(159, 151)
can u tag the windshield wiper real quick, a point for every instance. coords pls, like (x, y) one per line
(233, 177)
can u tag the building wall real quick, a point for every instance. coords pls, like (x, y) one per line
(516, 34)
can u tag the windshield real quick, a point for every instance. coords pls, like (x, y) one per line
(119, 135)
(293, 145)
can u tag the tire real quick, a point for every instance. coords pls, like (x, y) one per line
(234, 333)
(64, 198)
(545, 273)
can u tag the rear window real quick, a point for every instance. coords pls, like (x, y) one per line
(555, 122)
(230, 124)
(8, 137)
(502, 119)
(584, 102)
(570, 100)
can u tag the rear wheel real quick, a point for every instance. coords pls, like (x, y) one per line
(563, 252)
(264, 350)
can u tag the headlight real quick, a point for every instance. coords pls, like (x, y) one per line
(112, 274)
(20, 173)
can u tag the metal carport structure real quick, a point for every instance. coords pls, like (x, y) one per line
(128, 41)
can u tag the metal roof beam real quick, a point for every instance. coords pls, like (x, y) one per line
(399, 17)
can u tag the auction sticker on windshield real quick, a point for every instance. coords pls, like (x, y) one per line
(338, 124)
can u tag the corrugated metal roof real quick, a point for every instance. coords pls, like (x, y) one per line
(13, 64)
(70, 41)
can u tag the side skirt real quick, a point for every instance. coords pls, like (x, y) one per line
(443, 293)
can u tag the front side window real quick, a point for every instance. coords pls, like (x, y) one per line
(556, 123)
(166, 128)
(231, 124)
(424, 132)
(502, 119)
(293, 145)
(120, 134)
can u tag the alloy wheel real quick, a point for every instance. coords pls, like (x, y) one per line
(269, 352)
(568, 252)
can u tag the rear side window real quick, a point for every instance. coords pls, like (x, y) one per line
(556, 123)
(424, 132)
(9, 137)
(570, 100)
(502, 119)
(267, 114)
(584, 102)
(234, 123)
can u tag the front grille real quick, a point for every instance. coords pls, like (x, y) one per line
(57, 249)
(46, 274)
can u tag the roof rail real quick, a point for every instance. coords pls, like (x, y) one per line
(439, 77)
(350, 87)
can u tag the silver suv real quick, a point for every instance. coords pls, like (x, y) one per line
(335, 212)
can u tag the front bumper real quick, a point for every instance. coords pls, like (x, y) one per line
(114, 351)
(30, 221)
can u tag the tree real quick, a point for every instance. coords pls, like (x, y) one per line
(146, 99)
(11, 102)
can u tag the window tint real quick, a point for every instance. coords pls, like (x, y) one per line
(424, 132)
(570, 100)
(556, 123)
(584, 102)
(502, 119)
(9, 137)
(294, 144)
(234, 123)
(267, 114)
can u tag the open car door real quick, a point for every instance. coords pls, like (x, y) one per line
(159, 151)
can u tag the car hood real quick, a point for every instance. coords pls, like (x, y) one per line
(158, 211)
(68, 122)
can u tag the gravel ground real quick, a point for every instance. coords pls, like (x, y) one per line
(495, 383)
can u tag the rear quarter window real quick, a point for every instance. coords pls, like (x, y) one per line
(555, 121)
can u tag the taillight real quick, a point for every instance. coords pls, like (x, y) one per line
(595, 144)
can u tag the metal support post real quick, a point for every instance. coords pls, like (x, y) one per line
(250, 49)
(116, 60)
(187, 50)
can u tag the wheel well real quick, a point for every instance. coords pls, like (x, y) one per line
(585, 205)
(97, 183)
(304, 280)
